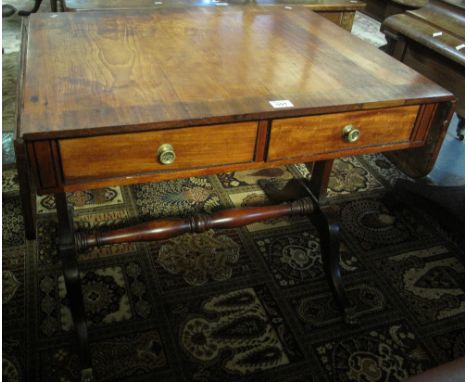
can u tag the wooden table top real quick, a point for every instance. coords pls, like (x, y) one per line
(135, 70)
(330, 5)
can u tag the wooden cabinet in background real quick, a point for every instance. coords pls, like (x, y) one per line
(340, 12)
(430, 40)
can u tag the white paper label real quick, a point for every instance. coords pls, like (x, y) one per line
(460, 47)
(288, 8)
(437, 34)
(281, 103)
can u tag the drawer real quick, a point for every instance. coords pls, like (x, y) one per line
(310, 136)
(143, 152)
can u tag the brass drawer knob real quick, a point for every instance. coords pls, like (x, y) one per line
(350, 133)
(166, 153)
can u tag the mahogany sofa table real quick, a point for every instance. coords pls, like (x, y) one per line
(121, 97)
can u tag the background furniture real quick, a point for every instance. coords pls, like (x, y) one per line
(453, 371)
(341, 12)
(430, 40)
(446, 204)
(381, 9)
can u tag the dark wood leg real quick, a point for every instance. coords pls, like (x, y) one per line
(37, 4)
(329, 233)
(167, 228)
(71, 273)
(328, 229)
(27, 192)
(320, 177)
(7, 11)
(461, 128)
(53, 5)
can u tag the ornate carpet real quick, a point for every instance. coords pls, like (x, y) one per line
(248, 304)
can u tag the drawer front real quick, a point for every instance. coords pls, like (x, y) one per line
(321, 134)
(139, 153)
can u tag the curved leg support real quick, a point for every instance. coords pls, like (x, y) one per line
(27, 191)
(71, 273)
(54, 5)
(329, 233)
(461, 128)
(7, 11)
(328, 229)
(37, 4)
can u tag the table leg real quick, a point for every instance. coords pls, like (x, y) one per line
(7, 11)
(71, 273)
(327, 227)
(329, 234)
(54, 5)
(37, 4)
(27, 191)
(460, 128)
(318, 184)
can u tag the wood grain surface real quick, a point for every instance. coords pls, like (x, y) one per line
(121, 154)
(321, 5)
(135, 70)
(340, 12)
(166, 228)
(324, 133)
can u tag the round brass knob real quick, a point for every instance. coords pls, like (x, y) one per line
(166, 154)
(350, 133)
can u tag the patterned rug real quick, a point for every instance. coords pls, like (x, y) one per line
(248, 304)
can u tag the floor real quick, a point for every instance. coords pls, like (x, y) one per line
(449, 169)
